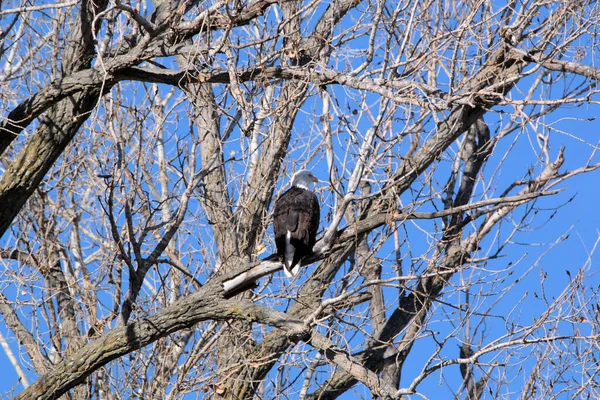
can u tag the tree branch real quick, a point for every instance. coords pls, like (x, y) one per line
(40, 362)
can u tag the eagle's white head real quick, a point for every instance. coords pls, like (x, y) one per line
(304, 179)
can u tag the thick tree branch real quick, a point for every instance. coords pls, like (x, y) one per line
(242, 278)
(586, 71)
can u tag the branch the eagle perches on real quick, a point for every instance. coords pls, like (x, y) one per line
(245, 278)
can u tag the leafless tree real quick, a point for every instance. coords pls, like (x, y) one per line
(142, 145)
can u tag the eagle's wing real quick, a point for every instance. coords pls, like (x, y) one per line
(306, 215)
(314, 222)
(285, 218)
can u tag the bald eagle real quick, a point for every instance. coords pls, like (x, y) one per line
(295, 221)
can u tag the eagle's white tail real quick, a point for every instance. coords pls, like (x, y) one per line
(288, 257)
